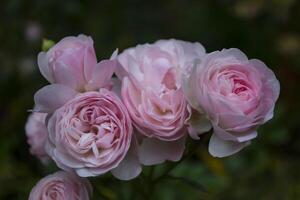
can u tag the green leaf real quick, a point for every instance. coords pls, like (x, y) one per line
(47, 44)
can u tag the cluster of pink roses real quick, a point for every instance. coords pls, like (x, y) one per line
(91, 123)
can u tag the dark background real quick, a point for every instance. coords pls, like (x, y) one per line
(265, 29)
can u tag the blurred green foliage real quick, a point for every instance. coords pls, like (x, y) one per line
(265, 29)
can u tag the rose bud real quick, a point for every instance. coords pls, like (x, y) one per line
(72, 62)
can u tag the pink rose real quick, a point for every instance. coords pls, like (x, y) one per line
(91, 134)
(72, 62)
(152, 93)
(237, 95)
(36, 133)
(61, 186)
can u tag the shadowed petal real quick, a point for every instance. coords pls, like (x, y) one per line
(222, 148)
(51, 97)
(43, 66)
(102, 74)
(153, 151)
(197, 124)
(130, 166)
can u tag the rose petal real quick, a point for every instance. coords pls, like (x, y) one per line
(247, 136)
(198, 124)
(120, 70)
(188, 84)
(51, 97)
(114, 54)
(68, 76)
(83, 172)
(272, 81)
(43, 66)
(117, 84)
(235, 53)
(102, 75)
(192, 50)
(134, 69)
(90, 59)
(129, 167)
(222, 148)
(153, 151)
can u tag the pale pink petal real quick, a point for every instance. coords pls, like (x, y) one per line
(189, 84)
(229, 120)
(153, 151)
(90, 60)
(222, 148)
(51, 97)
(114, 54)
(236, 53)
(68, 76)
(269, 76)
(120, 70)
(102, 74)
(43, 66)
(134, 69)
(129, 167)
(191, 50)
(198, 124)
(83, 38)
(117, 84)
(66, 160)
(247, 136)
(84, 172)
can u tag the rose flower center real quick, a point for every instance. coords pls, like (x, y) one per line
(95, 130)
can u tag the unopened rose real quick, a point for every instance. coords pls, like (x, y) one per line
(91, 134)
(72, 62)
(36, 132)
(61, 186)
(236, 94)
(151, 90)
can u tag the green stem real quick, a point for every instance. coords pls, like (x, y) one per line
(151, 172)
(193, 184)
(150, 184)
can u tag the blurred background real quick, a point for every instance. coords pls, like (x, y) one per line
(265, 29)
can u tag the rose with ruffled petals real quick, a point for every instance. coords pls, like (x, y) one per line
(151, 91)
(72, 62)
(91, 134)
(61, 186)
(36, 132)
(237, 95)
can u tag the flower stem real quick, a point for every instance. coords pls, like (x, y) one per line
(150, 185)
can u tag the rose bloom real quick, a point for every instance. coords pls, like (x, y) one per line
(61, 186)
(72, 62)
(91, 134)
(237, 95)
(36, 133)
(151, 91)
